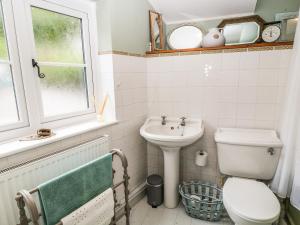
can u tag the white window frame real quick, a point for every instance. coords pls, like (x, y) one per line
(86, 51)
(20, 16)
(14, 63)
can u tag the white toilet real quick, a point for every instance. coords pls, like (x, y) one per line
(248, 155)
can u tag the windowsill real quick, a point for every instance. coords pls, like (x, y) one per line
(16, 146)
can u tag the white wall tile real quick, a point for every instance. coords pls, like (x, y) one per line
(227, 94)
(282, 93)
(180, 109)
(195, 95)
(265, 124)
(268, 77)
(247, 94)
(228, 78)
(265, 112)
(245, 111)
(269, 59)
(285, 58)
(283, 77)
(249, 60)
(195, 110)
(266, 94)
(231, 61)
(227, 110)
(196, 78)
(226, 122)
(245, 123)
(248, 77)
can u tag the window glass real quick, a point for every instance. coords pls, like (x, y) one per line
(58, 37)
(63, 90)
(3, 46)
(9, 112)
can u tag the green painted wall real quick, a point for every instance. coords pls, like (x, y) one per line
(123, 25)
(268, 8)
(104, 13)
(265, 8)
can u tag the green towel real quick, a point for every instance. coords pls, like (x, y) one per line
(62, 195)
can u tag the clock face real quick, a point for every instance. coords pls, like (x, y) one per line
(271, 33)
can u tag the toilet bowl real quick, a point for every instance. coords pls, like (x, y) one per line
(246, 155)
(249, 202)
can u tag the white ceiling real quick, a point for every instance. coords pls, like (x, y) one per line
(177, 11)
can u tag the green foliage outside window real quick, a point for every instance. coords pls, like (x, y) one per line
(3, 51)
(58, 38)
(72, 78)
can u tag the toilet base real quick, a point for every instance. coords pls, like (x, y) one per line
(253, 223)
(240, 221)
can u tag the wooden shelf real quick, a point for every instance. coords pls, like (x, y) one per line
(227, 47)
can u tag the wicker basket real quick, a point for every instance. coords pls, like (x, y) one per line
(202, 200)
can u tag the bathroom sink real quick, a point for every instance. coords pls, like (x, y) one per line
(171, 135)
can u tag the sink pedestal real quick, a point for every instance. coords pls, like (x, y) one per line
(171, 176)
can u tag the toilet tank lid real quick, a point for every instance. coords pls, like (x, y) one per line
(249, 137)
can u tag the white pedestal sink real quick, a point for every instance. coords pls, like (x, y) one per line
(171, 137)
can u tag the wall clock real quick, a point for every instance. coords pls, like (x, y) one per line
(271, 33)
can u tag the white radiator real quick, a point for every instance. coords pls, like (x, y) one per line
(32, 174)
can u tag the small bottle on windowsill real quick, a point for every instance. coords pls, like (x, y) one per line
(100, 118)
(100, 115)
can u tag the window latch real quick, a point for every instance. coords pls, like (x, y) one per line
(35, 64)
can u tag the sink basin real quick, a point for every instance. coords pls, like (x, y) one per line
(171, 137)
(172, 134)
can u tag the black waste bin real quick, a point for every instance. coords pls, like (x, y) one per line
(155, 190)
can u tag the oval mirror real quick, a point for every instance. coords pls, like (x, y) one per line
(186, 36)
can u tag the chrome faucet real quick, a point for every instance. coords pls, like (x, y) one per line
(164, 121)
(182, 121)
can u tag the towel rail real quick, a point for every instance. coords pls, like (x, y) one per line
(24, 198)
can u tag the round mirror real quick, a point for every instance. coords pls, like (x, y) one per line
(186, 36)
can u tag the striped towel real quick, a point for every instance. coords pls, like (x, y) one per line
(98, 211)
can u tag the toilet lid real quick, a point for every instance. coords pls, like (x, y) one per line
(251, 200)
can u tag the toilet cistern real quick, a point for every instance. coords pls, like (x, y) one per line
(171, 137)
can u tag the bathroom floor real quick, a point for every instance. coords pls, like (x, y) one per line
(143, 214)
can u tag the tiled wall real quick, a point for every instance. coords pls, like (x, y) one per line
(241, 89)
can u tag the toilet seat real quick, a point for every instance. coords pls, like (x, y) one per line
(251, 200)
